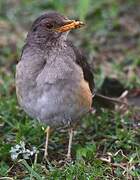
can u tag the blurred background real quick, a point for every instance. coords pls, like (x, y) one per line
(111, 41)
(111, 38)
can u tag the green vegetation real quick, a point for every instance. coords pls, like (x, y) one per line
(106, 145)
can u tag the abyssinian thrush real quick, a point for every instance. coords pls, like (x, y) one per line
(54, 82)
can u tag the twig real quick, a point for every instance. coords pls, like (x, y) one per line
(114, 100)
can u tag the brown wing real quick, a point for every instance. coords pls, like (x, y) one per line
(99, 99)
(82, 62)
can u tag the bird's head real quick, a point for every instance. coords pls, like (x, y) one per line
(51, 27)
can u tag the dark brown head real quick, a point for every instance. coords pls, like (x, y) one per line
(51, 27)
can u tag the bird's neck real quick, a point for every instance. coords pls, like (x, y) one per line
(44, 41)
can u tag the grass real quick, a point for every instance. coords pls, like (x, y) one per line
(106, 144)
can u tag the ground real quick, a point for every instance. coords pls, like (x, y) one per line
(106, 143)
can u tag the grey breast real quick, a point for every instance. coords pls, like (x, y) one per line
(46, 85)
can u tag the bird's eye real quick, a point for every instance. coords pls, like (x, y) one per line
(49, 26)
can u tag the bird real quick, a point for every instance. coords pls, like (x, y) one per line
(54, 82)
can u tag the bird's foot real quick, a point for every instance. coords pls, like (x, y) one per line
(68, 158)
(45, 159)
(66, 161)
